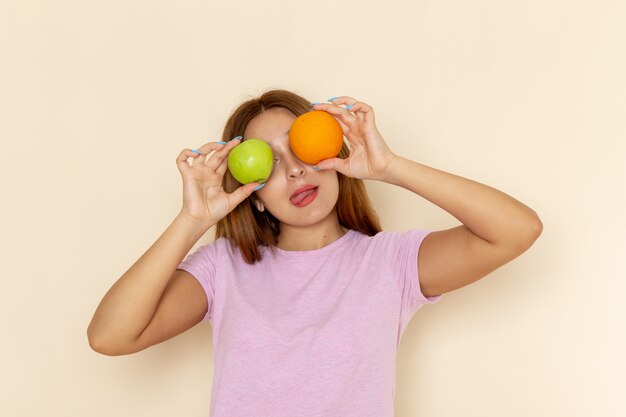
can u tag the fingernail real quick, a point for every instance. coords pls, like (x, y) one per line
(315, 167)
(259, 187)
(236, 137)
(196, 151)
(348, 107)
(332, 98)
(220, 142)
(313, 104)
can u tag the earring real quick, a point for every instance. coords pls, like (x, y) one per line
(259, 206)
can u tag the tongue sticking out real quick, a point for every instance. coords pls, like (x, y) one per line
(298, 198)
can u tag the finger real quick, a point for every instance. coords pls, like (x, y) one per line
(344, 127)
(212, 146)
(342, 100)
(181, 160)
(362, 111)
(337, 164)
(241, 193)
(342, 116)
(206, 150)
(221, 168)
(219, 156)
(209, 147)
(359, 106)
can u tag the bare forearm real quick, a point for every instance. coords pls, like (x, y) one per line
(128, 307)
(488, 213)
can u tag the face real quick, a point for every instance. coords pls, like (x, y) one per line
(295, 193)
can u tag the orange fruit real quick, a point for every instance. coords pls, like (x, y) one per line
(315, 136)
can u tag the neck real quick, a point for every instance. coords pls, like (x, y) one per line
(316, 236)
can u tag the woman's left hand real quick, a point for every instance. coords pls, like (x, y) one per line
(369, 154)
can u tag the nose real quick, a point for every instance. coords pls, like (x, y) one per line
(295, 167)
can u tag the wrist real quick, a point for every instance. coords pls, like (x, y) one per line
(191, 224)
(390, 173)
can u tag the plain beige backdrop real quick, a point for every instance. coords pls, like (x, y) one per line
(98, 98)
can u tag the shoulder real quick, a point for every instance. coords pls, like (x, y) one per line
(213, 252)
(391, 239)
(388, 246)
(218, 245)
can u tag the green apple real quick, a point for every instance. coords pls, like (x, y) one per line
(252, 160)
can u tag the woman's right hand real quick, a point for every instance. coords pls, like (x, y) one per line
(204, 199)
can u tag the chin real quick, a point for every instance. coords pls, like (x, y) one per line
(302, 217)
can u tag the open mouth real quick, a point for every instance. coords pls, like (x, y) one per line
(304, 196)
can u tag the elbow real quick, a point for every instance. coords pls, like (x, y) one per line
(535, 227)
(104, 346)
(531, 230)
(98, 345)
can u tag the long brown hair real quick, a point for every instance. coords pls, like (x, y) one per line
(246, 227)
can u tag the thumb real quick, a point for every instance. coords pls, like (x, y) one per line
(337, 164)
(243, 192)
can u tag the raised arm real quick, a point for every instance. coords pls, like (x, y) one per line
(152, 301)
(495, 228)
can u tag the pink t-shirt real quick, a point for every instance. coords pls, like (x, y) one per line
(309, 333)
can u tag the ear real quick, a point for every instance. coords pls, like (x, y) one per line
(259, 206)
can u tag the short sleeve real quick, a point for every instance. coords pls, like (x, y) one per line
(402, 249)
(201, 265)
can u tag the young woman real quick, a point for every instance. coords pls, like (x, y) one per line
(307, 296)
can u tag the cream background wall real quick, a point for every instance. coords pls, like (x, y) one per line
(98, 98)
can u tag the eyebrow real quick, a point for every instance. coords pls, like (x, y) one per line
(285, 134)
(270, 142)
